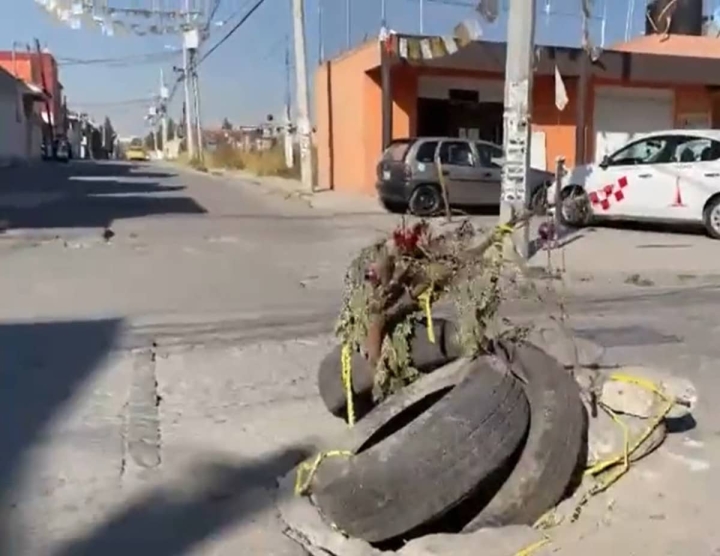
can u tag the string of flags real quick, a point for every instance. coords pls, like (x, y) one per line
(97, 14)
(417, 48)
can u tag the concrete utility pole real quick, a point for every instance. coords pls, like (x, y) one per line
(187, 76)
(288, 135)
(164, 94)
(198, 118)
(516, 136)
(348, 25)
(301, 95)
(321, 35)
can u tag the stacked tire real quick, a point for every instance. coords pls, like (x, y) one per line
(492, 441)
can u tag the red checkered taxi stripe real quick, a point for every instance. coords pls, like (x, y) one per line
(608, 194)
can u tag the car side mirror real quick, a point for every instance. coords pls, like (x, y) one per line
(605, 162)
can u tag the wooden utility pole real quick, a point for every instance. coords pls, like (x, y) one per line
(516, 136)
(301, 95)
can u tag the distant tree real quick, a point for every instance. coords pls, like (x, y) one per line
(108, 135)
(226, 125)
(171, 129)
(149, 141)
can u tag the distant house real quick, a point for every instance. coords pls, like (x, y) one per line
(248, 138)
(39, 70)
(20, 126)
(649, 83)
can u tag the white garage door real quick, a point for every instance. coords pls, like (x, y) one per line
(622, 113)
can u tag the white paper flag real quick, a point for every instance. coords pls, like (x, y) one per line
(561, 98)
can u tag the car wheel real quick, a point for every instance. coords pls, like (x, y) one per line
(426, 200)
(538, 201)
(574, 207)
(403, 477)
(711, 218)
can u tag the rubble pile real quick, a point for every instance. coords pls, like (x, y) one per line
(465, 432)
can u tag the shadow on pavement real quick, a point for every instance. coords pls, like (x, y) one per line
(43, 367)
(163, 523)
(87, 195)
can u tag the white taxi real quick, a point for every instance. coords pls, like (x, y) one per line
(669, 176)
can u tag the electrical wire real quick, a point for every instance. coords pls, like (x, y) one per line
(126, 102)
(231, 32)
(151, 58)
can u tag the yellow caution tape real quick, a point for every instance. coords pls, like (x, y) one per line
(426, 300)
(346, 364)
(505, 229)
(624, 458)
(306, 470)
(528, 550)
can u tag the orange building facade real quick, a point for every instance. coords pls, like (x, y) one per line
(662, 83)
(40, 70)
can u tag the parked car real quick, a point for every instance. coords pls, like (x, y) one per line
(137, 153)
(62, 150)
(666, 176)
(407, 175)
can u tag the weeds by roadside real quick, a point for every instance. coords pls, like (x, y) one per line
(270, 162)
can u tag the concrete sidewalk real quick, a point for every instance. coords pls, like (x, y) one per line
(641, 258)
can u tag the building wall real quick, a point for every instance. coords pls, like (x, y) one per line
(349, 108)
(19, 129)
(12, 126)
(29, 70)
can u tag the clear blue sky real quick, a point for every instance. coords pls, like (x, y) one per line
(245, 79)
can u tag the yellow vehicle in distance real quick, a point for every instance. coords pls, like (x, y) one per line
(136, 151)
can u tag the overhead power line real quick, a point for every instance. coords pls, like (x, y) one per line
(126, 102)
(217, 45)
(151, 58)
(232, 31)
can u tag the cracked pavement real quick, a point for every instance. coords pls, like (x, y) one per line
(153, 386)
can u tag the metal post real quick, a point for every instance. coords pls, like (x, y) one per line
(321, 36)
(14, 58)
(187, 76)
(288, 135)
(422, 17)
(383, 13)
(557, 201)
(386, 93)
(188, 106)
(301, 96)
(198, 118)
(517, 120)
(347, 24)
(164, 114)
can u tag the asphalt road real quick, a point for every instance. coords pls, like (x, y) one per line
(159, 335)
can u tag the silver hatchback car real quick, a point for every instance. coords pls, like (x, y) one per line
(407, 175)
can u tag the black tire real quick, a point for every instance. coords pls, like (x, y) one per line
(554, 452)
(538, 200)
(426, 357)
(426, 200)
(395, 484)
(393, 206)
(711, 218)
(574, 207)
